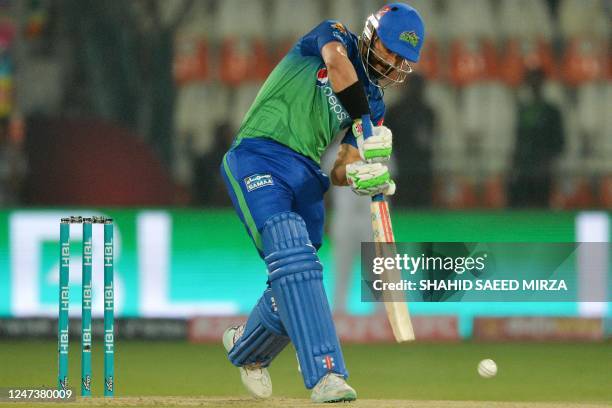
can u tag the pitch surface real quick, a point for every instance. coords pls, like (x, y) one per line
(415, 375)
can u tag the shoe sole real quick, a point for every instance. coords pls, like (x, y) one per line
(344, 398)
(340, 400)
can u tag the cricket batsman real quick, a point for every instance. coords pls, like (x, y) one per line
(327, 81)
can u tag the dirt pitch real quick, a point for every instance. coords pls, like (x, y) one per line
(298, 403)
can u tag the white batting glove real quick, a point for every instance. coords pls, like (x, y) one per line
(369, 178)
(377, 148)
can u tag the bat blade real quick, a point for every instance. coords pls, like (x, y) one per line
(395, 302)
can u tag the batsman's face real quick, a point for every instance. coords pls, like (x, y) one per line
(386, 58)
(390, 67)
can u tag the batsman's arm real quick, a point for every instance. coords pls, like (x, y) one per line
(340, 70)
(346, 154)
(341, 74)
(348, 89)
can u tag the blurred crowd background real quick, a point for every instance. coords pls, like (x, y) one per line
(135, 102)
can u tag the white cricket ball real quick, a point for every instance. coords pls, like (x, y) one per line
(487, 368)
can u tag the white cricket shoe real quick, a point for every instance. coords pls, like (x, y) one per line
(333, 388)
(256, 379)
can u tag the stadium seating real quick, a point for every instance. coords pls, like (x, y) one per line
(475, 69)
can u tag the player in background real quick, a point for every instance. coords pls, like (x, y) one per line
(327, 81)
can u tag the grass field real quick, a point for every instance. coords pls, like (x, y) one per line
(418, 375)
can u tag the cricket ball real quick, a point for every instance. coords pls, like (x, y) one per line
(487, 368)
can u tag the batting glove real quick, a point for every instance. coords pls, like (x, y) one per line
(369, 178)
(376, 148)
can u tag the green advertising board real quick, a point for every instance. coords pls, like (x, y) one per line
(181, 263)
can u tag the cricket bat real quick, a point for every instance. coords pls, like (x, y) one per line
(397, 309)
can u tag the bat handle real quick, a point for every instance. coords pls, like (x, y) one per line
(366, 125)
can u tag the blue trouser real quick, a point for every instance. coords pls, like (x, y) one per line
(288, 182)
(278, 195)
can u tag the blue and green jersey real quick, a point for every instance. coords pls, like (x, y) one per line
(297, 107)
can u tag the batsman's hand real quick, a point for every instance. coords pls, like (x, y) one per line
(376, 148)
(369, 178)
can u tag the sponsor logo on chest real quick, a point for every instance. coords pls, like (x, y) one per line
(322, 77)
(256, 181)
(334, 104)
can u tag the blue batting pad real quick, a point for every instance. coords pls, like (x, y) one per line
(296, 277)
(264, 335)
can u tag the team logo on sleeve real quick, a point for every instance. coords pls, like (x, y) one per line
(256, 181)
(339, 32)
(338, 26)
(322, 77)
